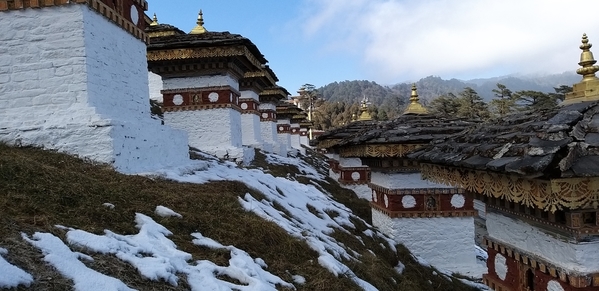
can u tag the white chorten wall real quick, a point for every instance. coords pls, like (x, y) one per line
(444, 242)
(350, 162)
(250, 122)
(304, 140)
(581, 257)
(441, 241)
(284, 138)
(155, 82)
(295, 136)
(73, 81)
(216, 131)
(268, 130)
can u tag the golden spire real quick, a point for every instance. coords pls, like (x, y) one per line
(588, 88)
(199, 29)
(364, 114)
(586, 60)
(154, 20)
(415, 107)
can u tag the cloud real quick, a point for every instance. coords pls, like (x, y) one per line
(410, 39)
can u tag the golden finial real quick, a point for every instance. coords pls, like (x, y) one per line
(586, 60)
(154, 20)
(415, 107)
(588, 88)
(199, 29)
(364, 114)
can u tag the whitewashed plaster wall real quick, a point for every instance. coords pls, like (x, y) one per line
(215, 131)
(284, 138)
(268, 131)
(155, 85)
(581, 257)
(200, 82)
(250, 123)
(444, 242)
(295, 138)
(73, 81)
(304, 140)
(402, 181)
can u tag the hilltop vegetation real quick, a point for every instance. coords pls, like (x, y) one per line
(40, 190)
(339, 101)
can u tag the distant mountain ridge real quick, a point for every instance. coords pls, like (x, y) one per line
(432, 87)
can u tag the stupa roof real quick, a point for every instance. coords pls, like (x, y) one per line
(199, 37)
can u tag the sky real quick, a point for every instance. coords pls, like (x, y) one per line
(394, 41)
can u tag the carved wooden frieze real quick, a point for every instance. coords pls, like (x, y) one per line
(378, 150)
(571, 193)
(203, 53)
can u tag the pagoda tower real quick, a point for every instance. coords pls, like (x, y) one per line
(295, 121)
(201, 71)
(269, 98)
(73, 78)
(538, 173)
(434, 221)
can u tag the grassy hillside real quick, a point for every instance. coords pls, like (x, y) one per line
(41, 189)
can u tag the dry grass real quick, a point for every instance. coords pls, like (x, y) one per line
(40, 189)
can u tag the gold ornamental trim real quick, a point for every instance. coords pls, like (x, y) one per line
(568, 277)
(202, 53)
(379, 150)
(415, 191)
(424, 214)
(548, 195)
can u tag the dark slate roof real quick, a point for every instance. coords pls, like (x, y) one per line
(348, 130)
(163, 27)
(207, 39)
(558, 143)
(407, 129)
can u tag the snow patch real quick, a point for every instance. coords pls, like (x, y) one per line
(12, 276)
(298, 279)
(108, 205)
(57, 254)
(166, 212)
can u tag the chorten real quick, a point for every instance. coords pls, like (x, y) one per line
(434, 221)
(77, 83)
(538, 173)
(201, 72)
(269, 98)
(285, 112)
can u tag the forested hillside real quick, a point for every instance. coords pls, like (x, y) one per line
(339, 101)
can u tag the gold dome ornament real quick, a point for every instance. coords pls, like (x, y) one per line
(415, 107)
(154, 20)
(199, 29)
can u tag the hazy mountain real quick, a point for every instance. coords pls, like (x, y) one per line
(432, 87)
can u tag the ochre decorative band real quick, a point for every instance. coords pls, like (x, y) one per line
(424, 214)
(575, 280)
(572, 193)
(416, 191)
(203, 53)
(97, 5)
(379, 151)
